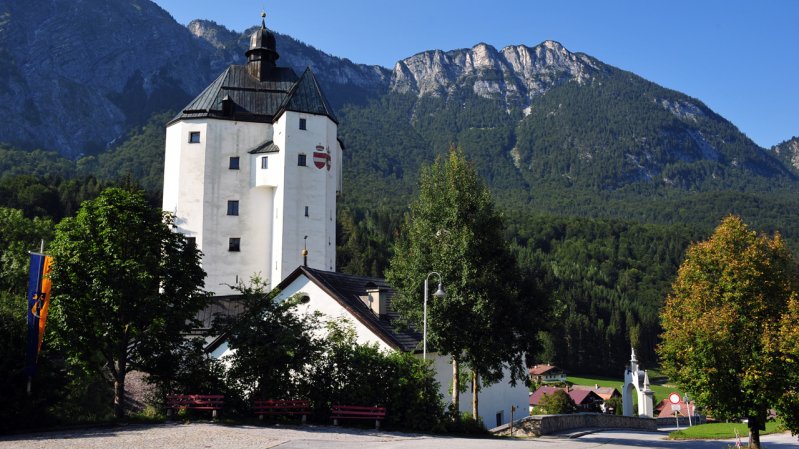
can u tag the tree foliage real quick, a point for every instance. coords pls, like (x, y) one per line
(352, 373)
(454, 229)
(721, 322)
(125, 286)
(272, 343)
(557, 403)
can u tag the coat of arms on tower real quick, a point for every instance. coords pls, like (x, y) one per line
(321, 157)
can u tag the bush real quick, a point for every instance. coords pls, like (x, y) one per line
(557, 403)
(467, 425)
(353, 374)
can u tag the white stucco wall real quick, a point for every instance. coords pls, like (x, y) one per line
(492, 400)
(320, 301)
(306, 186)
(271, 224)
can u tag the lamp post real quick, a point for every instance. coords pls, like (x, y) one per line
(438, 294)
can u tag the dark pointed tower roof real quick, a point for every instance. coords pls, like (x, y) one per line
(262, 43)
(306, 96)
(259, 91)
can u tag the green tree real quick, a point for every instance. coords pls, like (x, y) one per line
(721, 322)
(18, 236)
(126, 285)
(557, 403)
(454, 229)
(351, 373)
(272, 342)
(788, 345)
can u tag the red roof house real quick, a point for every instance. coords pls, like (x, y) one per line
(547, 373)
(586, 400)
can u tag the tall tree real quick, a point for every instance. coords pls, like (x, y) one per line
(722, 318)
(454, 229)
(124, 284)
(272, 342)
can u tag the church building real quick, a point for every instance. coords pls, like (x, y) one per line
(253, 169)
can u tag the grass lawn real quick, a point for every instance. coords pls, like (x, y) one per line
(661, 391)
(721, 431)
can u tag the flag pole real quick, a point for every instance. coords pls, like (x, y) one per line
(29, 389)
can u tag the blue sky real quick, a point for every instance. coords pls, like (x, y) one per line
(741, 58)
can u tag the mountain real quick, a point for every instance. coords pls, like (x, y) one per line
(604, 177)
(543, 120)
(81, 74)
(788, 152)
(343, 80)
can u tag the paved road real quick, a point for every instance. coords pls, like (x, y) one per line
(206, 435)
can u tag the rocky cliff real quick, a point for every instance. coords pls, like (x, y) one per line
(514, 74)
(81, 72)
(788, 152)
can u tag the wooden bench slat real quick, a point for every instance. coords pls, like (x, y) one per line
(195, 401)
(290, 407)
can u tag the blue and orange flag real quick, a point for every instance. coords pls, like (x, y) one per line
(38, 305)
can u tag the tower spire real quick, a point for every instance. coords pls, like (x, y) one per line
(263, 20)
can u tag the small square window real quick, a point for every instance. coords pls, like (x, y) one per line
(233, 207)
(265, 162)
(191, 242)
(301, 160)
(234, 244)
(194, 137)
(234, 163)
(303, 124)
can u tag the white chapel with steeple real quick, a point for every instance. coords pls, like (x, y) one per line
(253, 169)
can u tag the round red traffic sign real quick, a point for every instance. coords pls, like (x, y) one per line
(675, 398)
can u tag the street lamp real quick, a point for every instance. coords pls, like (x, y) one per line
(438, 294)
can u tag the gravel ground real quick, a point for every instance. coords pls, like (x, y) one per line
(208, 435)
(196, 435)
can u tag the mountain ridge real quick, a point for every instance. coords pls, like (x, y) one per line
(528, 103)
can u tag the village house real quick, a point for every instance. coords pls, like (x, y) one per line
(584, 400)
(540, 374)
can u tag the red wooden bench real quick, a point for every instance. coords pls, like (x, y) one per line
(357, 412)
(213, 402)
(291, 407)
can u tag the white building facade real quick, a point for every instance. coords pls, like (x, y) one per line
(253, 169)
(366, 304)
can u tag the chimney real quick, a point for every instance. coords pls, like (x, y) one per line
(377, 300)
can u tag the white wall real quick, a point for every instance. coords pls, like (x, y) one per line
(306, 186)
(492, 399)
(197, 186)
(271, 224)
(322, 302)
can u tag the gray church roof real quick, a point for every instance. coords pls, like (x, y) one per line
(307, 96)
(251, 100)
(348, 291)
(267, 146)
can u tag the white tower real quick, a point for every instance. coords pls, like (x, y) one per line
(633, 379)
(252, 171)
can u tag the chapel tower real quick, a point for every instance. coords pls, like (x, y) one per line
(253, 169)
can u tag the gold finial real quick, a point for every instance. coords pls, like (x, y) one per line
(263, 19)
